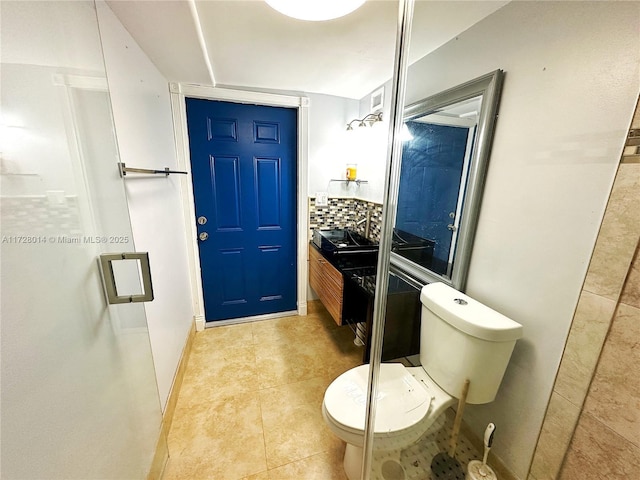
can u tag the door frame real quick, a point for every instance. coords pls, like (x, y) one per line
(178, 92)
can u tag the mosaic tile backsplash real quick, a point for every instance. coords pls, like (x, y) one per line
(344, 213)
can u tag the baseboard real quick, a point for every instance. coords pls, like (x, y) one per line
(162, 452)
(256, 318)
(199, 322)
(160, 458)
(167, 416)
(302, 309)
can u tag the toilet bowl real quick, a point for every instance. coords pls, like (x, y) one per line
(408, 403)
(460, 340)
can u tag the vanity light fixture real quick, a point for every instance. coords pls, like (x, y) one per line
(368, 120)
(315, 10)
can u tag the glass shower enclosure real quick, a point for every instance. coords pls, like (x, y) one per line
(79, 397)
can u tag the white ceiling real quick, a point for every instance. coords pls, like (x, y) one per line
(249, 45)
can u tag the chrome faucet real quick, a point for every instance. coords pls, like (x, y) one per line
(367, 227)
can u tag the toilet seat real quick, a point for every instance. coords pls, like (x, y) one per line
(408, 401)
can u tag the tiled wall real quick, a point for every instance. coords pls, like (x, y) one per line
(592, 425)
(344, 213)
(607, 438)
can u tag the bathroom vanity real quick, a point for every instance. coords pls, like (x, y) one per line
(402, 325)
(342, 271)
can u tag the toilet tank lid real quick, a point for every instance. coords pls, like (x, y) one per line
(469, 315)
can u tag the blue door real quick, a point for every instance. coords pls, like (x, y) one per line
(243, 164)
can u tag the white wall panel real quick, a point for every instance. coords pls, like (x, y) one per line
(142, 117)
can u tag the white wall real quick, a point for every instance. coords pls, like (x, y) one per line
(328, 142)
(142, 117)
(572, 78)
(331, 147)
(376, 152)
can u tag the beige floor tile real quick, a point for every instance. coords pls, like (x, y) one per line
(294, 427)
(322, 466)
(345, 355)
(308, 356)
(288, 329)
(180, 470)
(280, 363)
(224, 337)
(220, 439)
(272, 373)
(258, 476)
(227, 373)
(309, 391)
(208, 354)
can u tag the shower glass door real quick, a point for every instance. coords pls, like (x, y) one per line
(437, 158)
(79, 398)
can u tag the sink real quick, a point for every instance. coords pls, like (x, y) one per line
(342, 241)
(412, 247)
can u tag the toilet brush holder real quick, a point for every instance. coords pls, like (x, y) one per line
(479, 470)
(476, 470)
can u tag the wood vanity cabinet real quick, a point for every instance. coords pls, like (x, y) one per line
(327, 282)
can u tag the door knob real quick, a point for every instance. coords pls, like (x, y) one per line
(452, 227)
(202, 220)
(203, 236)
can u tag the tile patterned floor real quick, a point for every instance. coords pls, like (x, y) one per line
(416, 459)
(250, 403)
(250, 406)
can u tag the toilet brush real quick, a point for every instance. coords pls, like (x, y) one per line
(444, 465)
(482, 471)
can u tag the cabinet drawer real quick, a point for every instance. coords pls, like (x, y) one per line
(334, 307)
(333, 276)
(314, 282)
(327, 282)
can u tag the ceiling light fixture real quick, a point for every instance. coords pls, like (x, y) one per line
(315, 10)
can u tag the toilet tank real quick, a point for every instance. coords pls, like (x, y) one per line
(461, 338)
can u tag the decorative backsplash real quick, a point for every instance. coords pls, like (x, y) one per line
(344, 213)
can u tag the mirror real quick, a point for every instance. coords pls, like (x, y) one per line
(446, 145)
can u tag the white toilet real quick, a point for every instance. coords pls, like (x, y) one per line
(459, 339)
